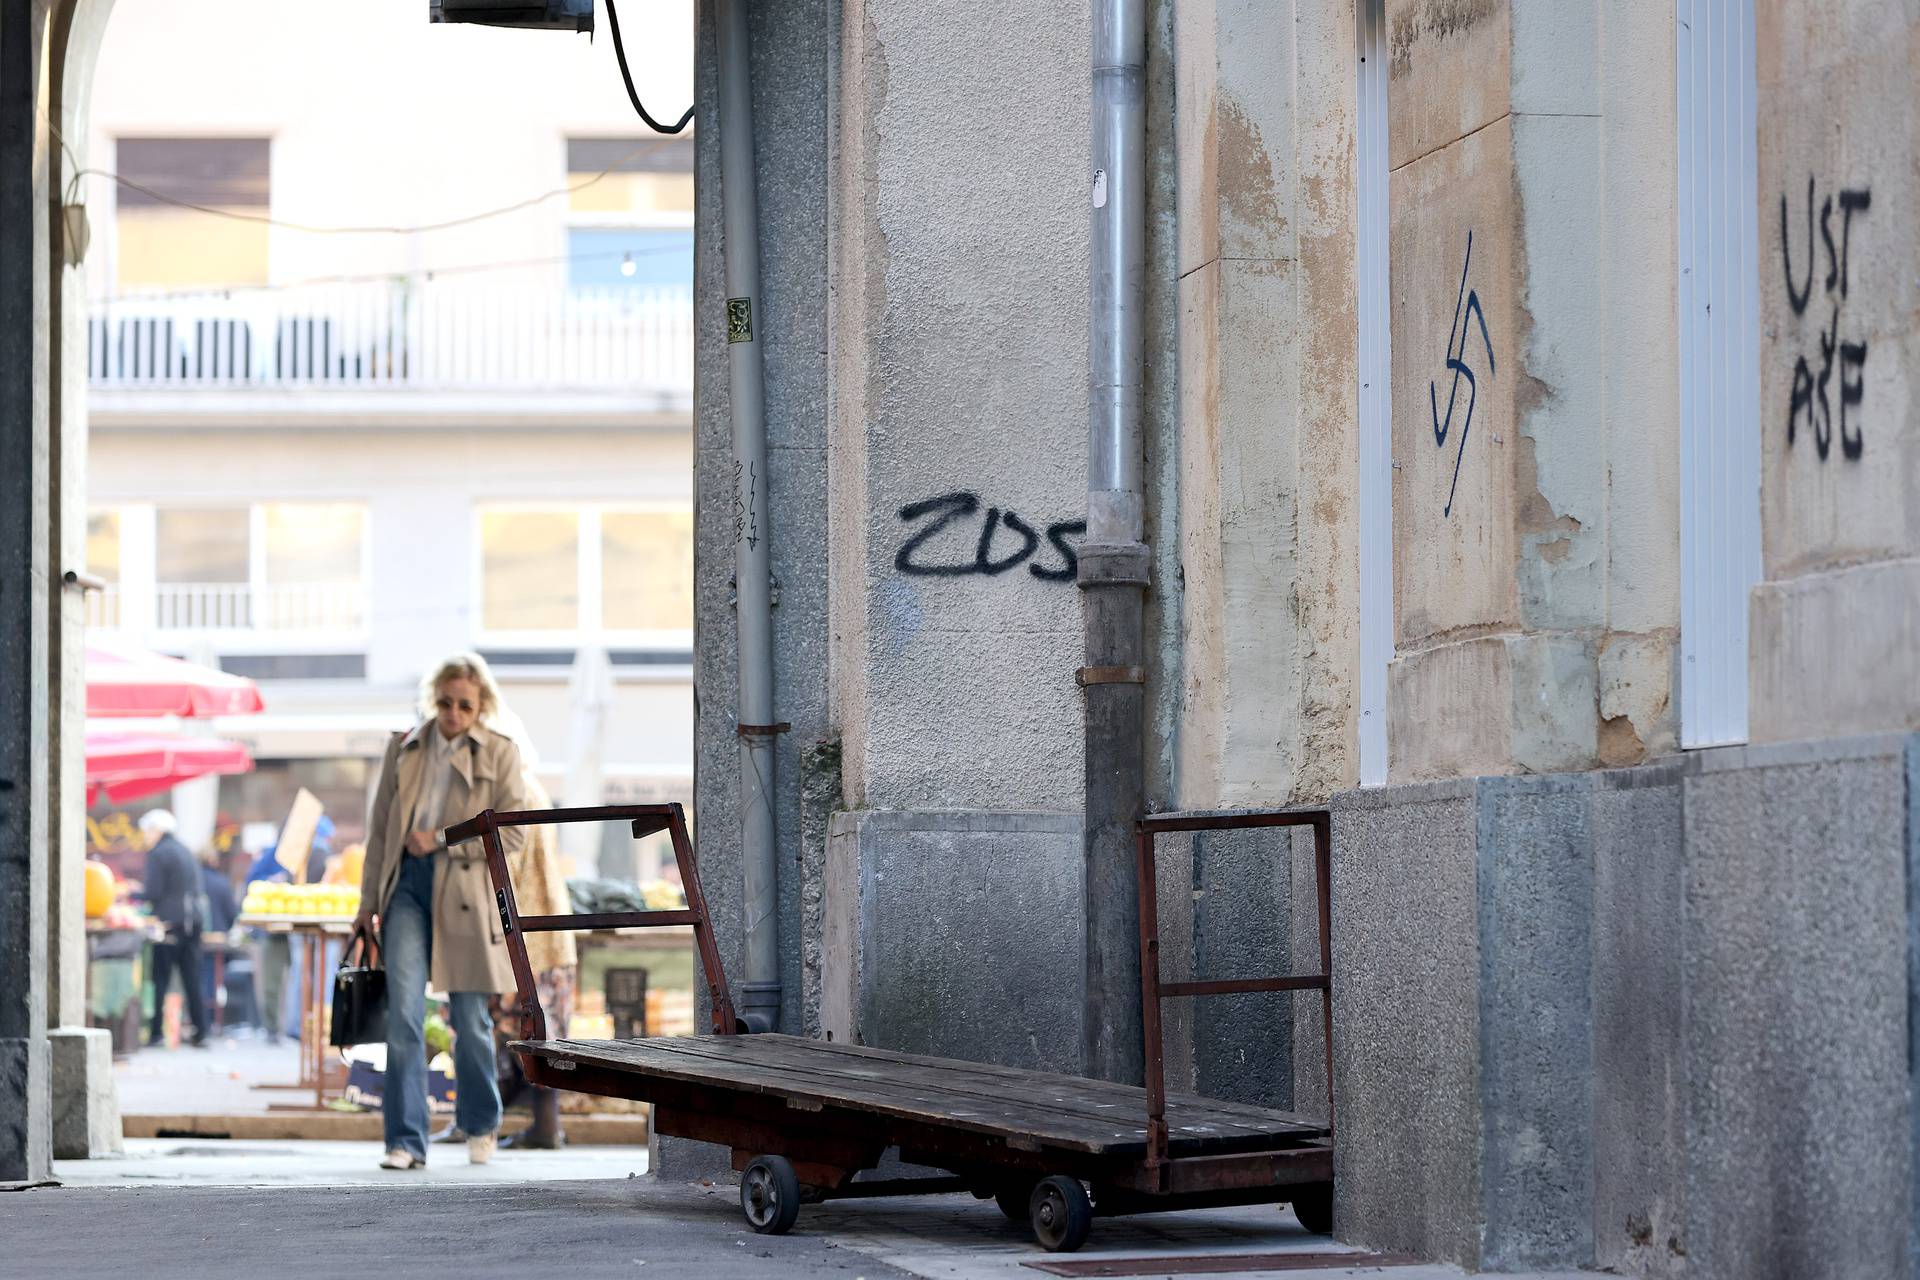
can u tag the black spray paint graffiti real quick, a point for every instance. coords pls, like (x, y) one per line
(1466, 309)
(1811, 392)
(950, 507)
(745, 523)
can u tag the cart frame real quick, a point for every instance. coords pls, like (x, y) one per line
(819, 1142)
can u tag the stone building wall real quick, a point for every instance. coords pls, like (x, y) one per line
(1535, 409)
(1836, 616)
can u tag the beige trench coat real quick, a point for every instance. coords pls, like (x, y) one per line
(540, 890)
(469, 949)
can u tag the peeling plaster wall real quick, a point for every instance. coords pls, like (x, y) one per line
(1535, 428)
(1268, 449)
(1835, 619)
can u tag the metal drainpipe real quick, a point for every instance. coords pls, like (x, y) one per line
(759, 1004)
(1113, 559)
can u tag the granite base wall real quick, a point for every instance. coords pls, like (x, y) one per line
(957, 934)
(86, 1106)
(1656, 1020)
(26, 1131)
(1239, 904)
(1406, 1021)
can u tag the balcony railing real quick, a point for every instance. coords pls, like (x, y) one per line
(331, 609)
(103, 607)
(449, 334)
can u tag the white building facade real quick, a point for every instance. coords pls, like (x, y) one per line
(370, 382)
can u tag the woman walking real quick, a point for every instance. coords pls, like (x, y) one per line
(433, 905)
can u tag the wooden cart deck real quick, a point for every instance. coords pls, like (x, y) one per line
(1033, 1108)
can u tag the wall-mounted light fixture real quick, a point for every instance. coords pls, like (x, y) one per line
(544, 15)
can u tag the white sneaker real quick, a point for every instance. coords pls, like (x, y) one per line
(398, 1159)
(480, 1150)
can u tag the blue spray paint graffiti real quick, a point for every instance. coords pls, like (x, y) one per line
(1466, 309)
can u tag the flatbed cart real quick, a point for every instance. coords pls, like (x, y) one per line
(803, 1117)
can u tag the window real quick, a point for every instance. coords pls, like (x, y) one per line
(313, 542)
(646, 570)
(201, 546)
(595, 570)
(601, 257)
(630, 212)
(276, 566)
(103, 562)
(103, 545)
(160, 242)
(644, 176)
(529, 570)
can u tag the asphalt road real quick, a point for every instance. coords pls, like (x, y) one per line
(635, 1227)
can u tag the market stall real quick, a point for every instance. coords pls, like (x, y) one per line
(130, 766)
(124, 680)
(320, 914)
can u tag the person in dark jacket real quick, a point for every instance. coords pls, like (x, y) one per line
(274, 956)
(222, 909)
(174, 889)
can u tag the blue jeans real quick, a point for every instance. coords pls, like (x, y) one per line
(407, 950)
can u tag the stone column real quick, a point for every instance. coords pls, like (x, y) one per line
(86, 1110)
(1268, 445)
(1263, 568)
(25, 1140)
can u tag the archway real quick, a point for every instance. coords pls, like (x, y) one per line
(49, 52)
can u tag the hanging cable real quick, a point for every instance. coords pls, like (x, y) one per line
(620, 52)
(235, 215)
(140, 296)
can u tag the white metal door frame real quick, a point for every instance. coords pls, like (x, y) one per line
(1376, 401)
(1719, 348)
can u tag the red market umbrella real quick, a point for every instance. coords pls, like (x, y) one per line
(126, 766)
(123, 680)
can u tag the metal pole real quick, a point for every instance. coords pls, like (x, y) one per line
(1113, 560)
(740, 208)
(1118, 353)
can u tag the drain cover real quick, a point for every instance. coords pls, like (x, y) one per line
(1218, 1264)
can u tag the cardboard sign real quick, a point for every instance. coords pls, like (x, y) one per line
(296, 834)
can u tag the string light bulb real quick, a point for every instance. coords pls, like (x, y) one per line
(627, 267)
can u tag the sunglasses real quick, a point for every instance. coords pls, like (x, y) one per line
(448, 704)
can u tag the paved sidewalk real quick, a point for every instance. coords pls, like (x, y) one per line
(960, 1238)
(221, 1079)
(191, 1207)
(202, 1218)
(215, 1162)
(429, 1231)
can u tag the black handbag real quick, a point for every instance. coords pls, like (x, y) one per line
(359, 996)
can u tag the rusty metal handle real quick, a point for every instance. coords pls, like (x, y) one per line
(646, 819)
(1153, 991)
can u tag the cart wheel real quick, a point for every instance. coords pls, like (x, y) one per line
(1061, 1214)
(770, 1195)
(1313, 1205)
(1015, 1200)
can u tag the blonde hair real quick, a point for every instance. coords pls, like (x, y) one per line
(462, 666)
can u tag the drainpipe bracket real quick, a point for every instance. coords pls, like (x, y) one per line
(1110, 675)
(1113, 564)
(762, 730)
